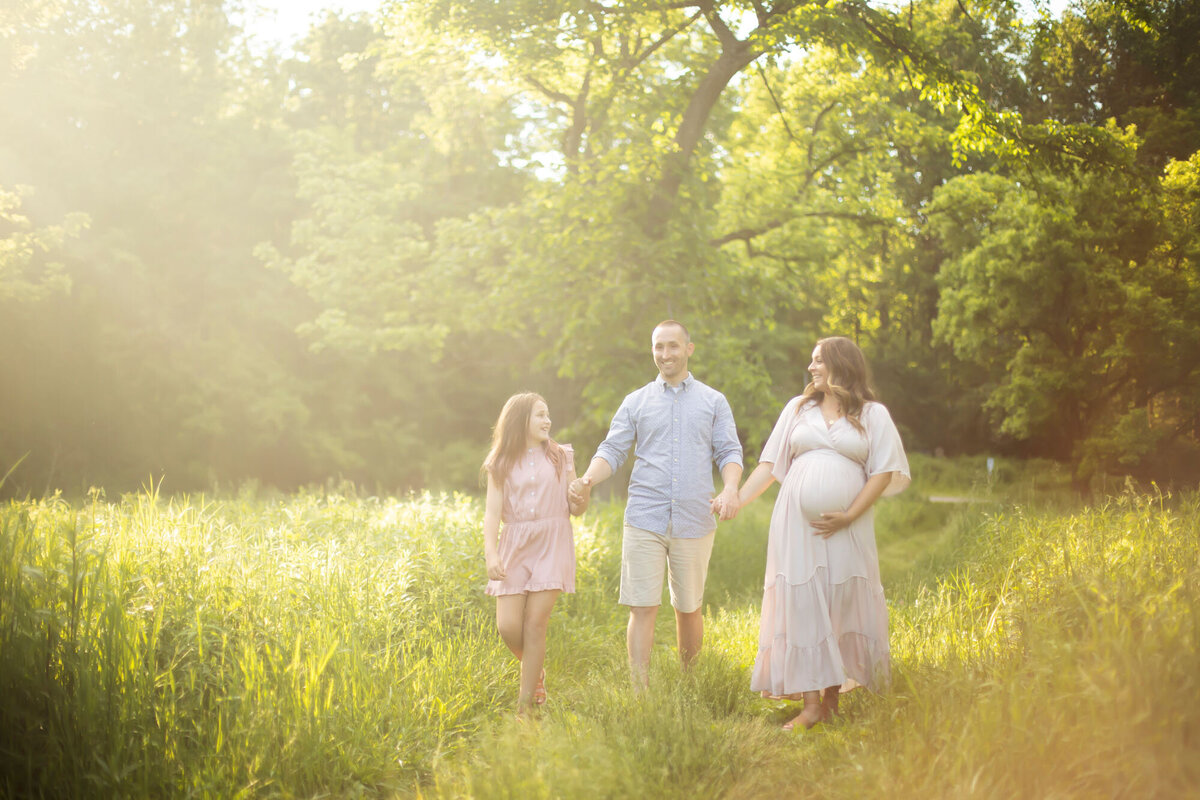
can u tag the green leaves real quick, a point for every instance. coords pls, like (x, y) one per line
(27, 269)
(1061, 289)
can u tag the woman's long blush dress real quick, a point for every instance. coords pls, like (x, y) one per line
(824, 618)
(537, 544)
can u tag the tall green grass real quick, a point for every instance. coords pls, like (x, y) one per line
(328, 644)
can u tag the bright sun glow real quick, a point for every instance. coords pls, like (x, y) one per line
(283, 22)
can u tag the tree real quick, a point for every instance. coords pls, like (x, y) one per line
(1078, 298)
(26, 271)
(167, 355)
(1135, 62)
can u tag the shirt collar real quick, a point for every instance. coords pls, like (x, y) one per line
(686, 383)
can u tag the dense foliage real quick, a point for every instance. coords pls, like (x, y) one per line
(222, 263)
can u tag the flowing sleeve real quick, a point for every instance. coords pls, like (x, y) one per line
(885, 450)
(777, 451)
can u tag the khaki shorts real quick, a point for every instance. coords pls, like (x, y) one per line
(643, 556)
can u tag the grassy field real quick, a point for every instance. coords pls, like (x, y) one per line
(327, 644)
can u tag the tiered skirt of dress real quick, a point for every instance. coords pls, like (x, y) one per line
(824, 617)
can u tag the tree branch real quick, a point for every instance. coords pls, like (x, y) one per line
(779, 108)
(735, 56)
(816, 128)
(639, 58)
(574, 134)
(966, 13)
(747, 234)
(828, 161)
(553, 94)
(724, 35)
(691, 129)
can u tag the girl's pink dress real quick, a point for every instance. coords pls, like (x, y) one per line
(537, 545)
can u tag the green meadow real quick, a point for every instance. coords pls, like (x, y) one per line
(331, 644)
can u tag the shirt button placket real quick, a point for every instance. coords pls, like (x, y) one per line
(675, 459)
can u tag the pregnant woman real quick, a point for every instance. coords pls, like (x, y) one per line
(824, 620)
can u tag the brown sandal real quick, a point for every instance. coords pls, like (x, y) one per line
(539, 691)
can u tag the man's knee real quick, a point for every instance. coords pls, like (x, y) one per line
(642, 616)
(643, 612)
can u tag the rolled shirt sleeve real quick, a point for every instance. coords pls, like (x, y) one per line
(621, 435)
(727, 448)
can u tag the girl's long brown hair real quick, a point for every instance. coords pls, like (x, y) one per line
(849, 378)
(508, 439)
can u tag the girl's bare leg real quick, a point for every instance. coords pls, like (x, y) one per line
(510, 621)
(538, 606)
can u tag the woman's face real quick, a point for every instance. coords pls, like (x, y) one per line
(818, 370)
(539, 423)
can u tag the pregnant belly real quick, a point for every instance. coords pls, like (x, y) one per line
(825, 482)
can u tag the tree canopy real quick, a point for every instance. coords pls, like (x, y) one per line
(221, 263)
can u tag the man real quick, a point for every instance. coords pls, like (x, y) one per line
(678, 428)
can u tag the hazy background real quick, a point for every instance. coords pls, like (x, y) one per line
(235, 249)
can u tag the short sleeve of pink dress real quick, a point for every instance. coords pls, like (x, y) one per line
(537, 544)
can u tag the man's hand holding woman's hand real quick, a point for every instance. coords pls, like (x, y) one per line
(726, 505)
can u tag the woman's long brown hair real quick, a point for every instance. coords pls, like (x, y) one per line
(849, 378)
(508, 439)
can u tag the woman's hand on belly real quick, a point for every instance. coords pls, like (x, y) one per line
(830, 523)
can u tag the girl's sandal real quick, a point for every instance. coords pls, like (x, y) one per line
(539, 691)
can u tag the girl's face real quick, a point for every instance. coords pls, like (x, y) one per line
(539, 424)
(818, 370)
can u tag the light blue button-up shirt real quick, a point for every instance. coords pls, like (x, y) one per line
(677, 434)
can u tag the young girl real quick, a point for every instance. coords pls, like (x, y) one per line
(532, 560)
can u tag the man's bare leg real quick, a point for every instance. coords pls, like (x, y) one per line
(639, 641)
(689, 634)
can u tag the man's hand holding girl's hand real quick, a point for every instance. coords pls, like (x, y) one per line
(580, 490)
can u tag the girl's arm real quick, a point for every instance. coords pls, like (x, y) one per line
(833, 521)
(757, 483)
(491, 531)
(576, 506)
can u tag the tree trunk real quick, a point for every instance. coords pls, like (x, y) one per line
(675, 164)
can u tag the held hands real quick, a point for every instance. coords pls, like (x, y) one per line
(726, 505)
(580, 491)
(830, 523)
